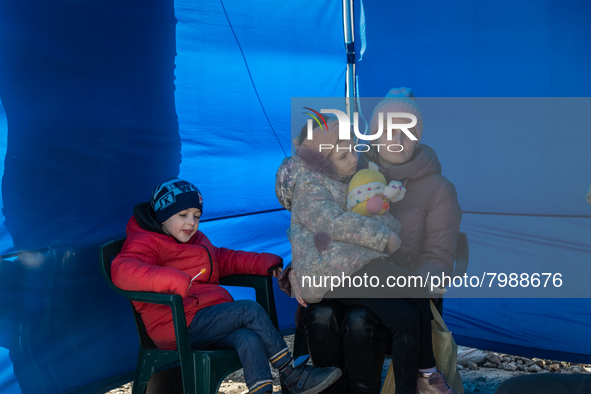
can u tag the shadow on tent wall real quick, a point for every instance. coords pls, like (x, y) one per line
(88, 90)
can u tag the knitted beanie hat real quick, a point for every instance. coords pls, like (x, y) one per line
(174, 196)
(398, 100)
(320, 136)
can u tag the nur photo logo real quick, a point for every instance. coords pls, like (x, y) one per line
(344, 123)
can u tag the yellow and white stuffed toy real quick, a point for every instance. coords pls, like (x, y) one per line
(370, 195)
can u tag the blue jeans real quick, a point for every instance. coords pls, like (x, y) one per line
(244, 326)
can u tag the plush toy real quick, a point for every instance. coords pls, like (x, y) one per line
(369, 194)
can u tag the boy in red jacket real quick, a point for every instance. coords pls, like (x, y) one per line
(165, 253)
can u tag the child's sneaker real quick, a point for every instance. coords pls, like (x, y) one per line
(433, 383)
(300, 378)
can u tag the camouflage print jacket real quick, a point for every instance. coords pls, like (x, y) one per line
(326, 239)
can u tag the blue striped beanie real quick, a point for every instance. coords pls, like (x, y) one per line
(174, 196)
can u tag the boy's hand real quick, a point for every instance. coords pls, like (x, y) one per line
(188, 290)
(277, 271)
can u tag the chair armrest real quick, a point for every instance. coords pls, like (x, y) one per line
(263, 287)
(150, 298)
(175, 302)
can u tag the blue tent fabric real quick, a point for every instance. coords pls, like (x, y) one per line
(553, 329)
(476, 49)
(261, 56)
(74, 99)
(81, 84)
(102, 101)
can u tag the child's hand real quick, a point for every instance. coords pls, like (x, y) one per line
(393, 243)
(277, 271)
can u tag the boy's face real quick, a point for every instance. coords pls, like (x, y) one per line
(183, 225)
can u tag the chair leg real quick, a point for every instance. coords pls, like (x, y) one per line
(149, 362)
(209, 385)
(169, 381)
(138, 387)
(208, 379)
(190, 381)
(140, 381)
(140, 384)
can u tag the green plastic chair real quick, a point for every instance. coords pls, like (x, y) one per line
(201, 371)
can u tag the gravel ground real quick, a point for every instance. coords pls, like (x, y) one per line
(479, 380)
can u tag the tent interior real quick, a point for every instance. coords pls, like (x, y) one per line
(101, 101)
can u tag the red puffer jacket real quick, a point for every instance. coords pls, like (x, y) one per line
(155, 262)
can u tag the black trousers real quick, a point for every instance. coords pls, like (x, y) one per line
(352, 334)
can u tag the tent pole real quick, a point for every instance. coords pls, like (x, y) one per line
(350, 48)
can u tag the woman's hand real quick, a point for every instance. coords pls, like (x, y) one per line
(295, 289)
(393, 243)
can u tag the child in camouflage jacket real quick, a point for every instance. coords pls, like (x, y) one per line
(328, 240)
